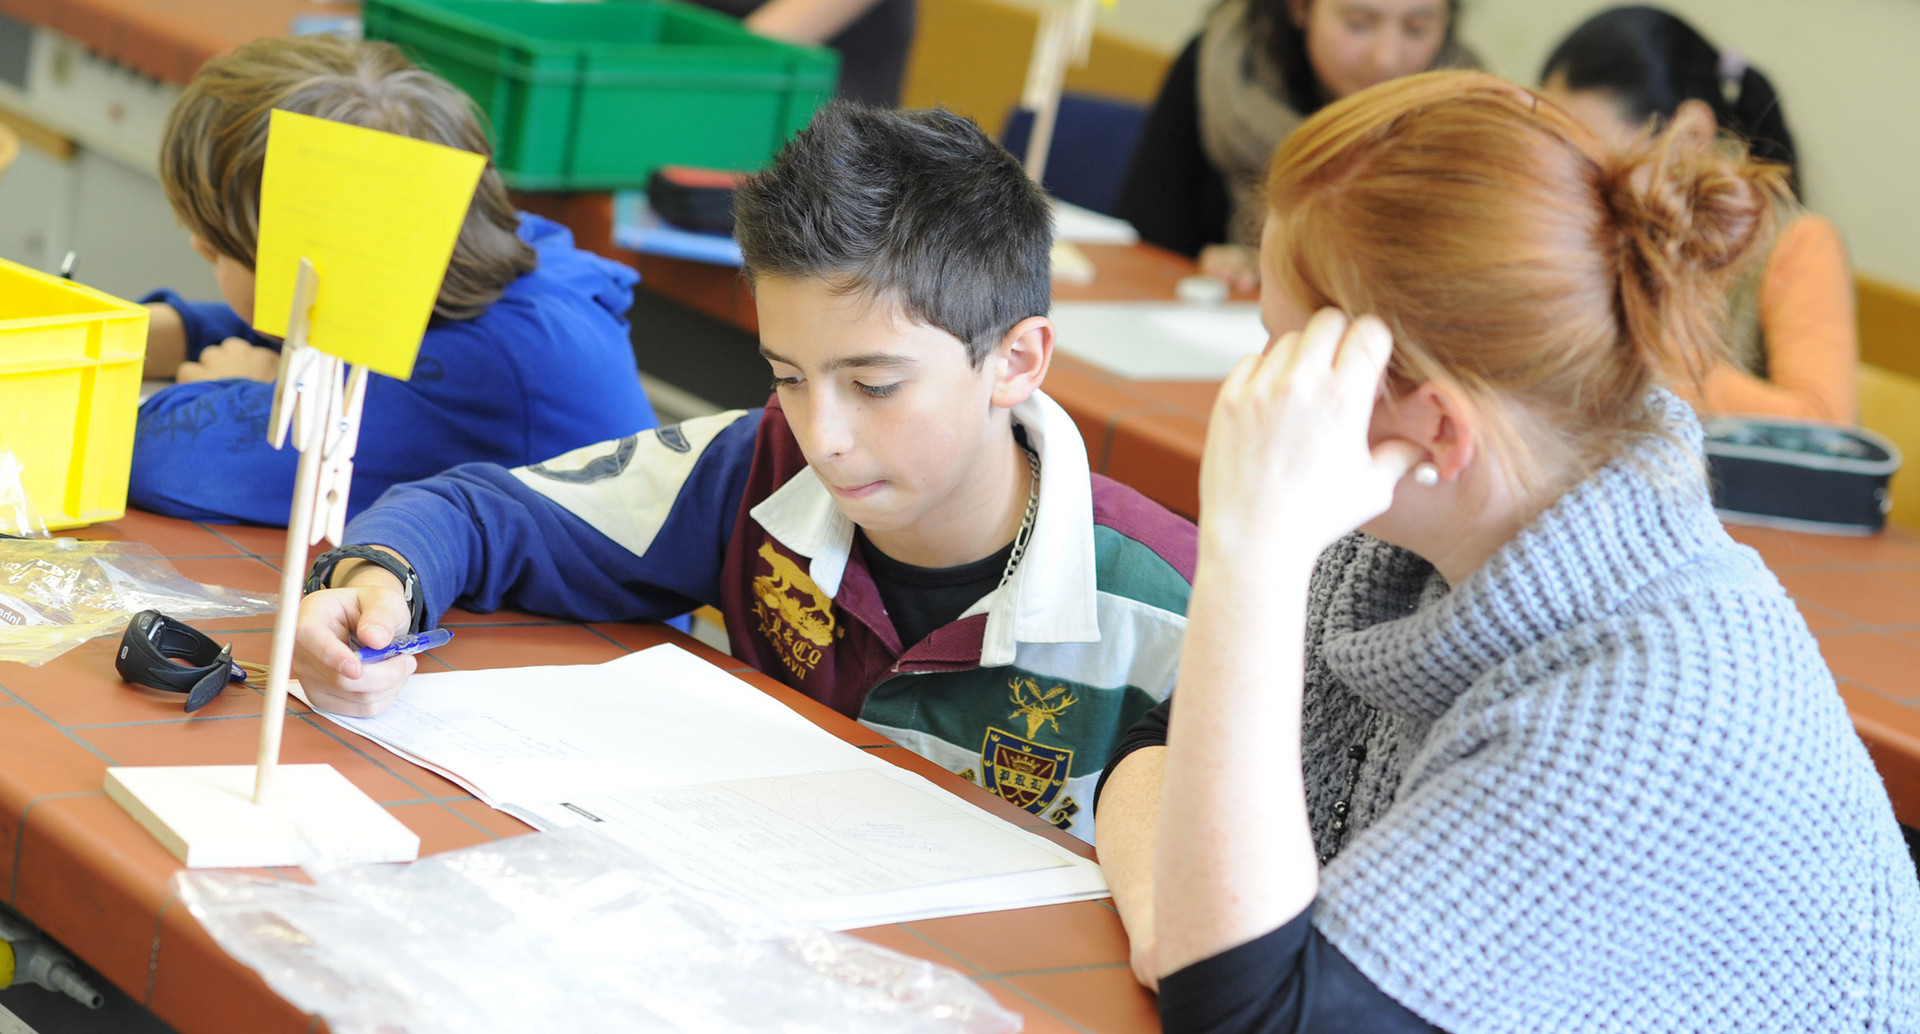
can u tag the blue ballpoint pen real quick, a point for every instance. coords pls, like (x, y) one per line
(432, 639)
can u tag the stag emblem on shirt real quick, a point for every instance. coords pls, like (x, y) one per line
(1037, 707)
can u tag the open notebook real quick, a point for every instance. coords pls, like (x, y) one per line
(725, 786)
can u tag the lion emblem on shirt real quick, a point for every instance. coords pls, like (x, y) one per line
(794, 616)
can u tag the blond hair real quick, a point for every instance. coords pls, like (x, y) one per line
(216, 145)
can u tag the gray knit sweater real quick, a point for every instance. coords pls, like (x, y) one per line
(1608, 785)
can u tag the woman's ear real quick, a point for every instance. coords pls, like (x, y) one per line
(1297, 10)
(1020, 361)
(1435, 419)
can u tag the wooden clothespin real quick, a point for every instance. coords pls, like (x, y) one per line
(342, 437)
(310, 403)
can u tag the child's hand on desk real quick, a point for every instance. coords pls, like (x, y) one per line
(1238, 266)
(230, 359)
(372, 608)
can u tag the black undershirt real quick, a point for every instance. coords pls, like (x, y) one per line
(1290, 981)
(922, 599)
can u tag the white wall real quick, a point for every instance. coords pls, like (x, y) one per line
(1847, 75)
(1846, 68)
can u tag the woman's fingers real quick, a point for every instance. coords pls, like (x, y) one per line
(1394, 458)
(1320, 342)
(1364, 354)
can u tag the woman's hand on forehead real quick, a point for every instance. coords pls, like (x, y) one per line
(1287, 465)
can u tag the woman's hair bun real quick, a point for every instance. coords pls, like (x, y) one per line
(1692, 214)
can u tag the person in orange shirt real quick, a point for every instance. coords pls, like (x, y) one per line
(1629, 69)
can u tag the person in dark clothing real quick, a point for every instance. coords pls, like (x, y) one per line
(1255, 72)
(872, 37)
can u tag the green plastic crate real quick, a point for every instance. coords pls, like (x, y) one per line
(595, 96)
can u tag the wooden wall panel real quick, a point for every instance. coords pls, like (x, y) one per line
(971, 56)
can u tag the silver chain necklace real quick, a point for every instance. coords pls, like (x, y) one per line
(1026, 523)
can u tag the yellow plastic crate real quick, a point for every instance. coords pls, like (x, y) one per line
(70, 365)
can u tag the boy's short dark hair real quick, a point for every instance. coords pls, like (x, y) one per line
(916, 207)
(215, 148)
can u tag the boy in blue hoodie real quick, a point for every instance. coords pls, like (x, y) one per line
(527, 354)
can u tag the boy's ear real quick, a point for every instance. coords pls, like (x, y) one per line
(1019, 363)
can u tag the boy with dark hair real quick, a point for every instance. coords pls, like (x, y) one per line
(907, 532)
(527, 354)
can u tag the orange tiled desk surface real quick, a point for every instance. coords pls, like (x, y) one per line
(73, 862)
(168, 39)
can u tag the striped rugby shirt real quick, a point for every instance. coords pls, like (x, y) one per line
(1026, 693)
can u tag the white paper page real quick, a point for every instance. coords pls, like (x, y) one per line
(1086, 226)
(846, 849)
(1162, 341)
(661, 717)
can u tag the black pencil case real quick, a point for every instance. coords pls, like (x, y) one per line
(693, 199)
(1800, 475)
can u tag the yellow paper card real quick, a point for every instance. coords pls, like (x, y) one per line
(378, 215)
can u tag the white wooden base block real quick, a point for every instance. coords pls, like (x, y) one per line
(205, 816)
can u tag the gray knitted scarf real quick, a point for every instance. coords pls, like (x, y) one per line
(1608, 784)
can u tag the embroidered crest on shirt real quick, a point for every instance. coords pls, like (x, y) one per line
(794, 616)
(1029, 774)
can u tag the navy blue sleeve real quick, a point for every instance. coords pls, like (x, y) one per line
(209, 323)
(1290, 981)
(200, 451)
(479, 536)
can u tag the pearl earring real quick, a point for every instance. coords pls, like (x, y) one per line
(1426, 475)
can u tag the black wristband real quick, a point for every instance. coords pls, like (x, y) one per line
(153, 642)
(324, 564)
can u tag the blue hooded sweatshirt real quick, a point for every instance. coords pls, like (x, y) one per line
(546, 369)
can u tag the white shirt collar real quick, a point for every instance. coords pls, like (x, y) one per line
(1052, 595)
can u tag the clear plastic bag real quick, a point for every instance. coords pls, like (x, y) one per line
(566, 927)
(18, 518)
(58, 593)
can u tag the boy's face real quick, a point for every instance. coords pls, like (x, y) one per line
(234, 279)
(890, 414)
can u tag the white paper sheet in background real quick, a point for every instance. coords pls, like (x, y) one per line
(1086, 226)
(720, 782)
(1160, 341)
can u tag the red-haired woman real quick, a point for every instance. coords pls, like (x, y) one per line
(1554, 753)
